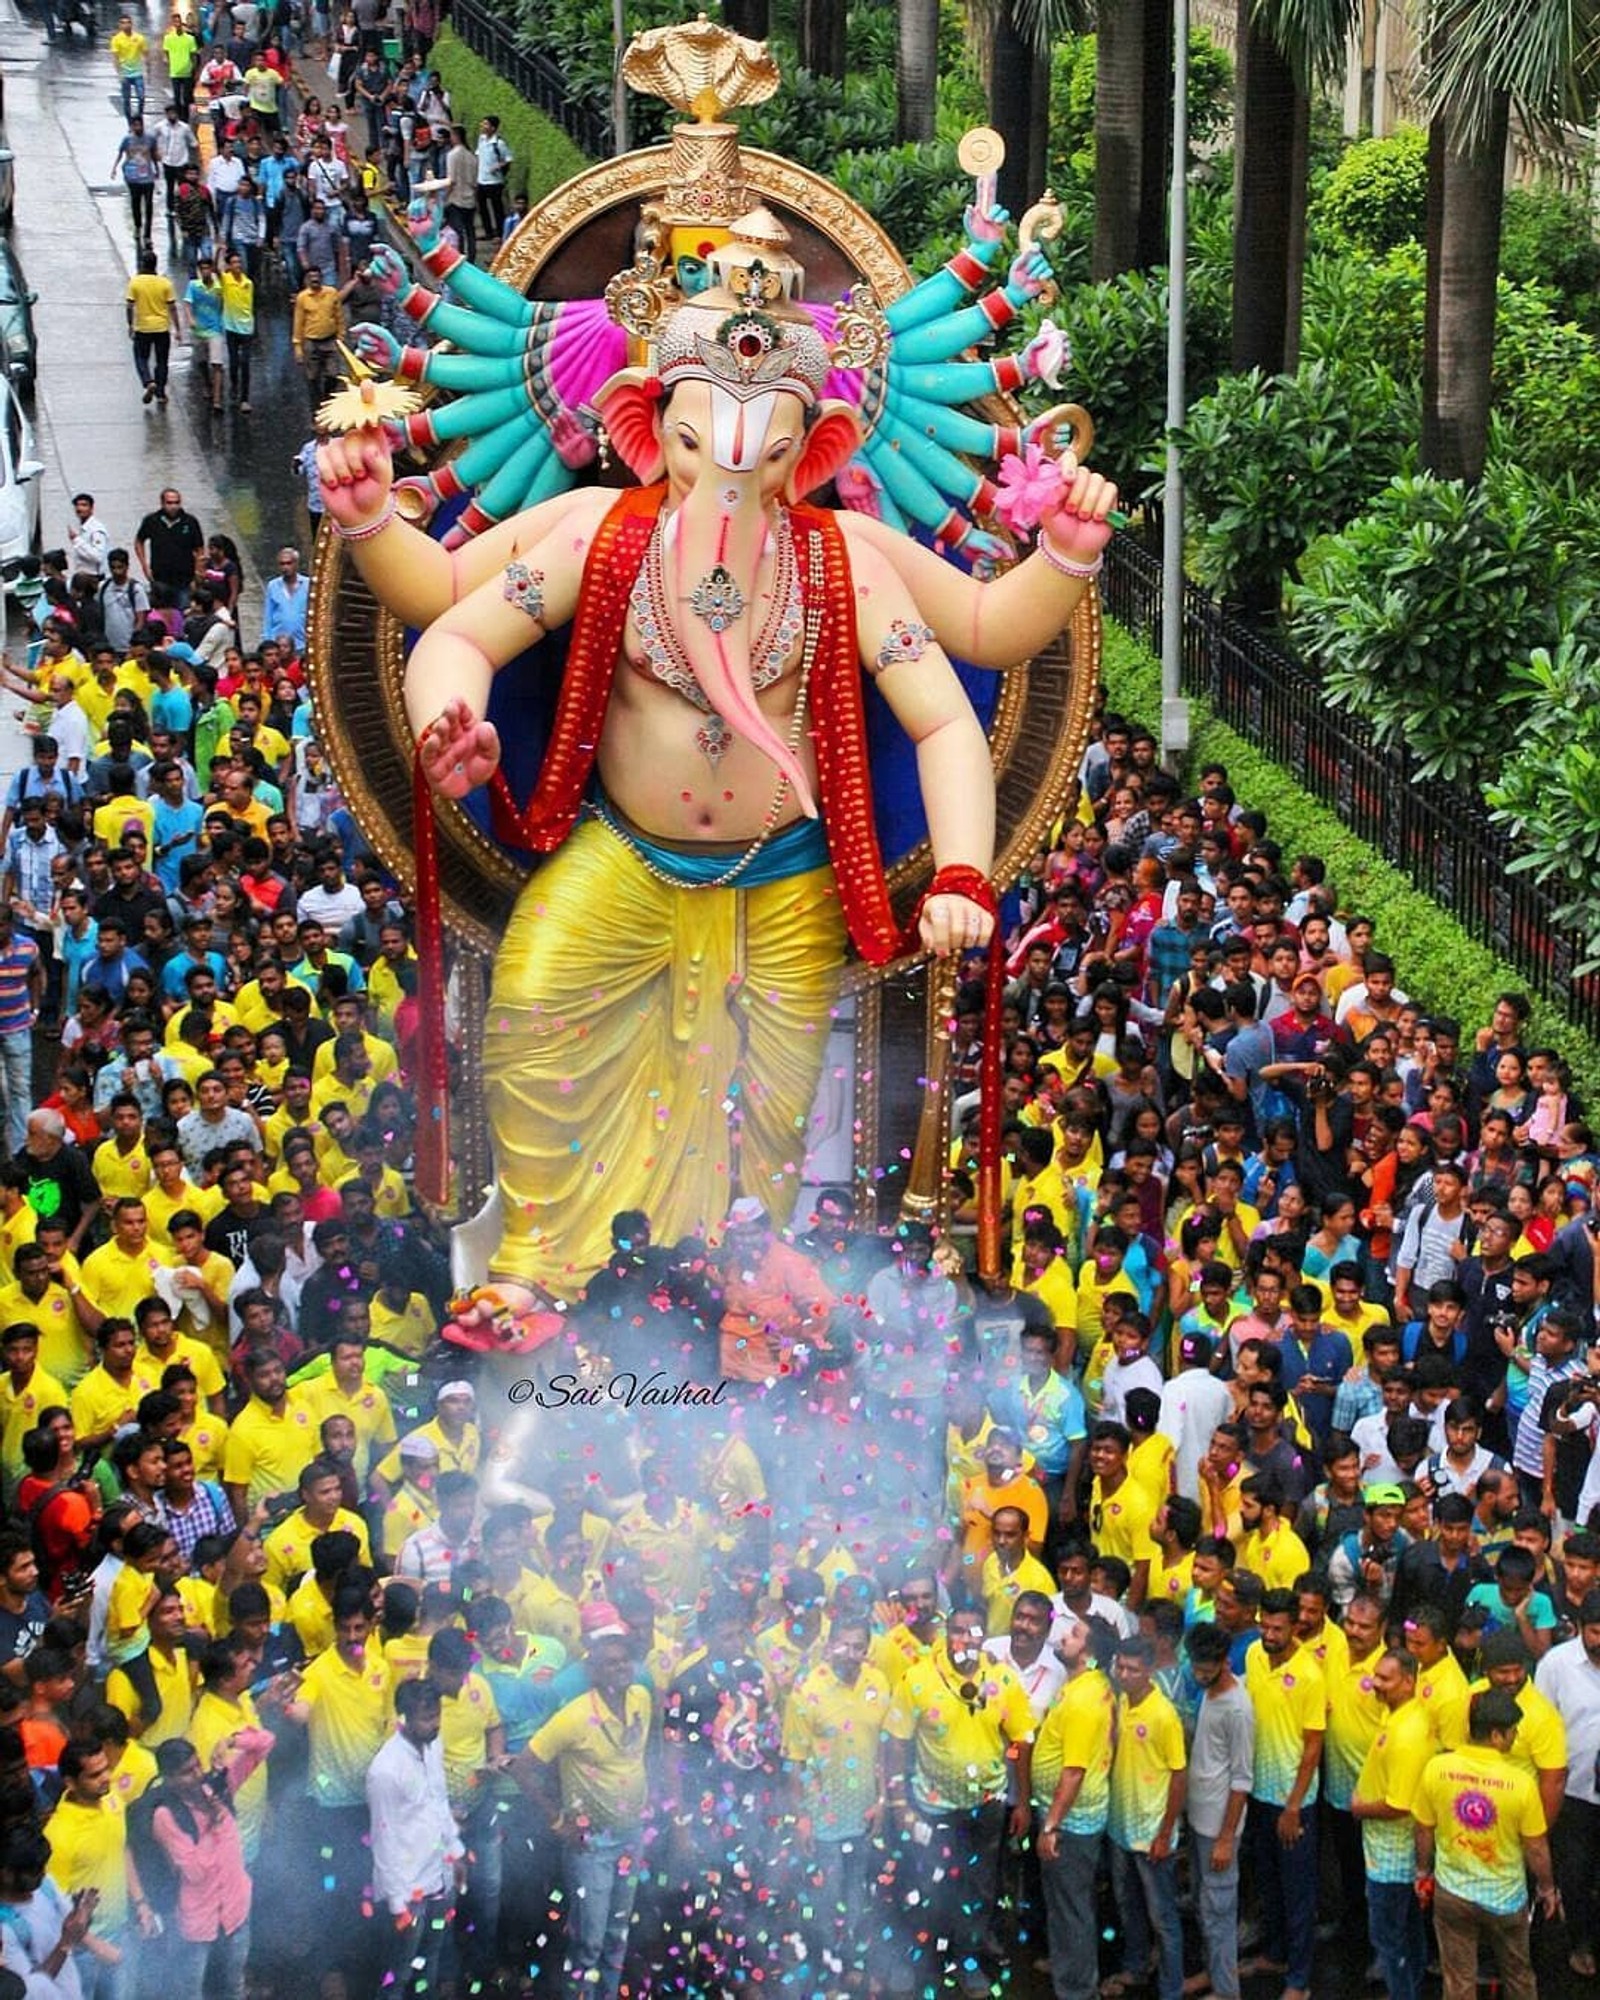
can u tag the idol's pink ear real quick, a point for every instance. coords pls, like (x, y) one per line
(832, 438)
(629, 410)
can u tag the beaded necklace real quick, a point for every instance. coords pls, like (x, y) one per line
(814, 598)
(663, 649)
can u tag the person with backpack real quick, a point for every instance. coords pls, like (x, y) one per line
(204, 1889)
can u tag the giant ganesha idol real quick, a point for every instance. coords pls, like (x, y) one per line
(702, 813)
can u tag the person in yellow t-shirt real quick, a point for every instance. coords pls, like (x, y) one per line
(1148, 1781)
(1541, 1745)
(956, 1728)
(288, 1545)
(108, 1396)
(1441, 1685)
(471, 1734)
(121, 1162)
(88, 1836)
(174, 1674)
(121, 1273)
(1101, 1276)
(345, 1392)
(1072, 1785)
(1290, 1700)
(66, 1351)
(152, 314)
(343, 1703)
(271, 1441)
(1121, 1513)
(226, 1707)
(1008, 1569)
(25, 1390)
(401, 1318)
(1384, 1795)
(1269, 1547)
(161, 1344)
(1481, 1831)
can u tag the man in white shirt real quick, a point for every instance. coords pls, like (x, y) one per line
(223, 176)
(1193, 1403)
(70, 728)
(417, 1854)
(89, 540)
(334, 900)
(1569, 1676)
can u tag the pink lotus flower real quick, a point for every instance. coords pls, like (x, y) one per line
(1031, 486)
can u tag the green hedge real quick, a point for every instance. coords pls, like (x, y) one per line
(544, 155)
(1438, 963)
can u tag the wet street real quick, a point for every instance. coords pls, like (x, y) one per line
(73, 239)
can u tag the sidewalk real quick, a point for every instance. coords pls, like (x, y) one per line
(74, 240)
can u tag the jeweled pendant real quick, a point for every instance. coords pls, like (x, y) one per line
(718, 599)
(713, 737)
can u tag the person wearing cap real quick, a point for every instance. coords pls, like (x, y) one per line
(410, 1504)
(452, 1430)
(1366, 1559)
(596, 1744)
(773, 1298)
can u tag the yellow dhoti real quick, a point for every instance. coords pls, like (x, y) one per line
(653, 1047)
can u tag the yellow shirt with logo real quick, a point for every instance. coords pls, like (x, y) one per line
(216, 1722)
(960, 1758)
(1290, 1701)
(465, 1720)
(368, 1409)
(1149, 1748)
(19, 1413)
(1077, 1736)
(117, 1173)
(118, 1281)
(1390, 1777)
(177, 1684)
(831, 1732)
(1442, 1691)
(88, 1850)
(65, 1351)
(349, 1723)
(1541, 1740)
(288, 1546)
(1120, 1523)
(1276, 1555)
(99, 1404)
(267, 1453)
(599, 1756)
(1480, 1806)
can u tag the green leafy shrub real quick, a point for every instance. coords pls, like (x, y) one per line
(544, 155)
(576, 36)
(1546, 239)
(1269, 466)
(1547, 793)
(912, 191)
(1376, 197)
(1368, 309)
(1546, 385)
(1439, 963)
(1118, 331)
(1414, 611)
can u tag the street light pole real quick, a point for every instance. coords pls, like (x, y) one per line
(1174, 708)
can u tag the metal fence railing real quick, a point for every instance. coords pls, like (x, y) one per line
(1439, 835)
(533, 76)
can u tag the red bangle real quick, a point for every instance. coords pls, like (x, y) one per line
(960, 880)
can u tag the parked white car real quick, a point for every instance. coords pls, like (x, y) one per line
(21, 471)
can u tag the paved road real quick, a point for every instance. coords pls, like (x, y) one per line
(74, 240)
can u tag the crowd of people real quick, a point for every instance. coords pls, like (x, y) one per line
(271, 200)
(1219, 1579)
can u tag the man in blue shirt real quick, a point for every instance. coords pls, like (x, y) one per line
(1046, 1411)
(288, 600)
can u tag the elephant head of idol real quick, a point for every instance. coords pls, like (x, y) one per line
(734, 415)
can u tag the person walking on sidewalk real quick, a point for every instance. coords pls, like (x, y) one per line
(128, 48)
(239, 324)
(175, 147)
(152, 319)
(203, 301)
(135, 157)
(182, 52)
(318, 327)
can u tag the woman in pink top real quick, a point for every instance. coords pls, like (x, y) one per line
(195, 1826)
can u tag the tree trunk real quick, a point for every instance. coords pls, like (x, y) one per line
(1466, 198)
(1156, 149)
(822, 25)
(747, 17)
(1119, 135)
(916, 68)
(1014, 114)
(1271, 121)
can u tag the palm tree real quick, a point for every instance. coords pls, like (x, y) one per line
(822, 37)
(1132, 123)
(1482, 61)
(1285, 49)
(916, 68)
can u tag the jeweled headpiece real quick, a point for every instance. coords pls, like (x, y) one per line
(755, 265)
(746, 350)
